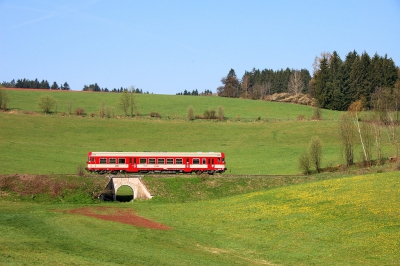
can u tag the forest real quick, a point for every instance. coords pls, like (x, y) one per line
(335, 83)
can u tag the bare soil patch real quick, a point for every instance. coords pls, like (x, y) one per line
(120, 216)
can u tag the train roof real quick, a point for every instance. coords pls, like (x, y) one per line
(157, 154)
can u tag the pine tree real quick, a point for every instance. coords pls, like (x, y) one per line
(54, 86)
(321, 79)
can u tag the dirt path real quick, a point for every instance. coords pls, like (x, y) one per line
(119, 215)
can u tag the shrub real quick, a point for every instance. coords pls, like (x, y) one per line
(190, 113)
(206, 114)
(304, 163)
(46, 103)
(317, 113)
(3, 99)
(316, 153)
(79, 111)
(155, 114)
(212, 114)
(221, 113)
(300, 117)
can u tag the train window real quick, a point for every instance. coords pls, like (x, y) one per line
(121, 161)
(142, 161)
(134, 160)
(152, 161)
(196, 161)
(170, 161)
(204, 161)
(112, 160)
(179, 161)
(161, 161)
(103, 160)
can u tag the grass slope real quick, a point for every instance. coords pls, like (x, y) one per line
(350, 221)
(167, 105)
(54, 144)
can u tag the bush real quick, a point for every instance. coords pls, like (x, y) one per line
(317, 113)
(190, 113)
(300, 117)
(304, 163)
(79, 111)
(46, 103)
(206, 114)
(221, 113)
(212, 114)
(3, 99)
(316, 153)
(155, 114)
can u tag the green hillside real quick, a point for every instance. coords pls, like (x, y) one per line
(342, 221)
(54, 144)
(32, 142)
(166, 105)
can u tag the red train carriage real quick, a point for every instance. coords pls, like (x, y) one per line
(156, 162)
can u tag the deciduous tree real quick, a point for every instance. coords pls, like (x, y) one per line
(46, 103)
(295, 84)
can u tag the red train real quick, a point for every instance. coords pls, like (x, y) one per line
(156, 162)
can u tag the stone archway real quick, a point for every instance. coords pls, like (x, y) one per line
(134, 182)
(124, 193)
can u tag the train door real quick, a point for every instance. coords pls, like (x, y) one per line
(187, 164)
(134, 164)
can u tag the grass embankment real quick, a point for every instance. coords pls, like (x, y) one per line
(52, 144)
(168, 106)
(351, 221)
(37, 143)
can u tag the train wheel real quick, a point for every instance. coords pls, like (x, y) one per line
(198, 172)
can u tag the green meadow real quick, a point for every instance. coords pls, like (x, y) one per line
(59, 143)
(339, 221)
(168, 106)
(277, 218)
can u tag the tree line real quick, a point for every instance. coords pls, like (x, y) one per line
(258, 84)
(44, 84)
(34, 84)
(96, 88)
(195, 93)
(335, 83)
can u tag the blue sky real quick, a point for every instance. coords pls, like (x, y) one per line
(165, 47)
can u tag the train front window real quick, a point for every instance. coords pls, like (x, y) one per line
(103, 160)
(121, 161)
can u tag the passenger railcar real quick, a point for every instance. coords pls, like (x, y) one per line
(156, 162)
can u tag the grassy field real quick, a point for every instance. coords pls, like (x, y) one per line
(172, 106)
(54, 144)
(325, 219)
(341, 221)
(37, 143)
